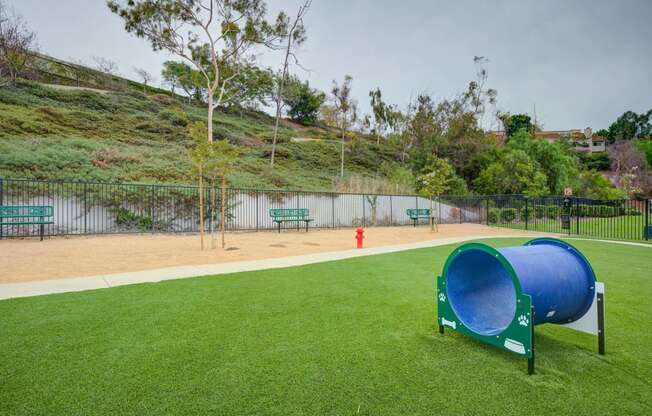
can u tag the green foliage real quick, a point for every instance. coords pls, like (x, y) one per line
(514, 173)
(515, 123)
(175, 116)
(554, 159)
(508, 214)
(645, 147)
(303, 102)
(593, 184)
(493, 215)
(630, 126)
(127, 219)
(54, 134)
(595, 161)
(436, 178)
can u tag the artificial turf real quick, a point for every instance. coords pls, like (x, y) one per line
(350, 337)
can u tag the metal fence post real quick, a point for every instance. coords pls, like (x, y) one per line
(647, 216)
(151, 206)
(577, 217)
(256, 207)
(526, 214)
(391, 212)
(487, 210)
(333, 209)
(85, 206)
(2, 199)
(364, 212)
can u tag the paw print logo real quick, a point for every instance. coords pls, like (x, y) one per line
(523, 321)
(442, 297)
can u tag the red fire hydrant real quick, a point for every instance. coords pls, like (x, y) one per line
(359, 235)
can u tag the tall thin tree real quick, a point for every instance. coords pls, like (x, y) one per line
(294, 37)
(345, 110)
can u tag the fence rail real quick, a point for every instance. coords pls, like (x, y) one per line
(83, 208)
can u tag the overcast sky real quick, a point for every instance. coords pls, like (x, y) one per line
(582, 63)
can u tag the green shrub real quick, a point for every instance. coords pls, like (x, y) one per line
(508, 215)
(175, 117)
(632, 211)
(493, 215)
(552, 211)
(126, 218)
(526, 214)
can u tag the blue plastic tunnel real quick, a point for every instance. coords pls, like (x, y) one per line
(483, 283)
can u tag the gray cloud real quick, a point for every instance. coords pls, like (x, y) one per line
(581, 62)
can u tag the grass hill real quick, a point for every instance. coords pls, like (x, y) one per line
(88, 133)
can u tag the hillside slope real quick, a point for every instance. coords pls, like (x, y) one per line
(49, 132)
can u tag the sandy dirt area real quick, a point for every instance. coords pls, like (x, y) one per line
(58, 257)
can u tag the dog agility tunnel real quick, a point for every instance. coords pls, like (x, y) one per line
(484, 285)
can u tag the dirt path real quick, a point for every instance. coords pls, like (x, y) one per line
(56, 258)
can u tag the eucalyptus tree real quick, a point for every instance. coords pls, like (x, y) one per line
(380, 111)
(210, 35)
(293, 35)
(346, 110)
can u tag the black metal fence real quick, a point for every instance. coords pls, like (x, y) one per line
(619, 219)
(102, 208)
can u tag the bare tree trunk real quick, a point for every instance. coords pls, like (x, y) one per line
(223, 206)
(343, 135)
(211, 109)
(432, 219)
(279, 93)
(342, 165)
(201, 208)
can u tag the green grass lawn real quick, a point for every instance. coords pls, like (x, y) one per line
(342, 338)
(614, 228)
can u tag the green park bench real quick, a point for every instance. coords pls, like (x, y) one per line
(26, 215)
(417, 214)
(281, 215)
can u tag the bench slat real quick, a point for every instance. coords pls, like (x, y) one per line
(25, 211)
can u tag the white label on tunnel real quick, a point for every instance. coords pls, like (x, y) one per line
(549, 314)
(514, 346)
(446, 322)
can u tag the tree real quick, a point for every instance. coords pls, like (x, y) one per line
(108, 68)
(592, 184)
(302, 101)
(180, 75)
(630, 126)
(514, 123)
(16, 41)
(380, 112)
(213, 161)
(293, 37)
(345, 110)
(435, 182)
(210, 35)
(554, 159)
(479, 96)
(514, 173)
(145, 76)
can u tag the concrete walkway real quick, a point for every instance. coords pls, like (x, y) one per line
(16, 290)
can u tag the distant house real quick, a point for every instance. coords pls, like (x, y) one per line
(584, 140)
